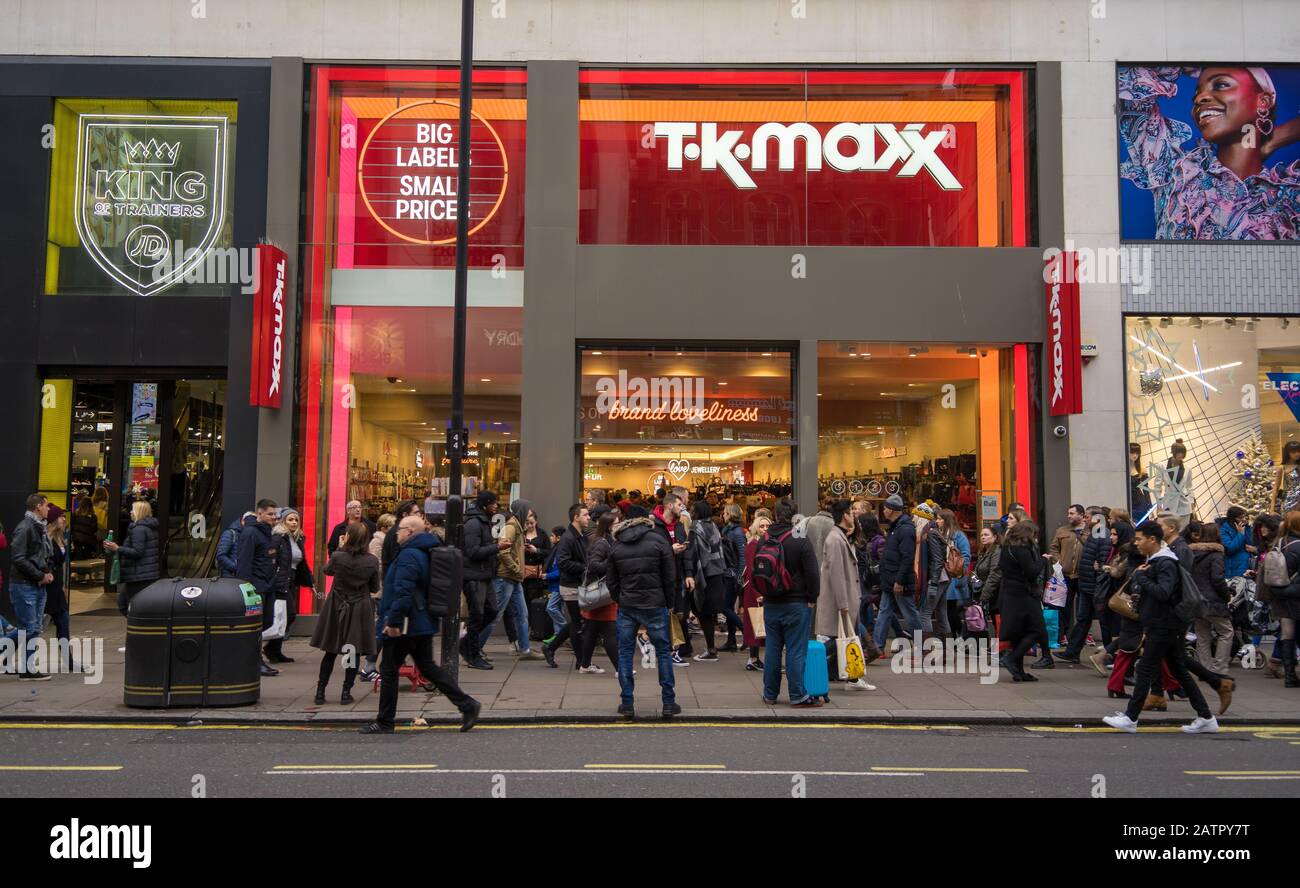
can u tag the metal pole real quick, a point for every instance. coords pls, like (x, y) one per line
(456, 436)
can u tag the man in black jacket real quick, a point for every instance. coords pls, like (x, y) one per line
(787, 613)
(1095, 548)
(353, 516)
(1158, 585)
(897, 571)
(256, 562)
(571, 559)
(642, 581)
(668, 523)
(481, 546)
(31, 561)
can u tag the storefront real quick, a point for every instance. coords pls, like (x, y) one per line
(149, 185)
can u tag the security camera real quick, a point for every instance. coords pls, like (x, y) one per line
(1060, 431)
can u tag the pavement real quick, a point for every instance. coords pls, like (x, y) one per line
(656, 759)
(527, 691)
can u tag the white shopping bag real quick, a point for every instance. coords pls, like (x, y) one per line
(1057, 592)
(280, 626)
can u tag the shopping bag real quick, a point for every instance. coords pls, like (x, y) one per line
(848, 652)
(1051, 617)
(675, 625)
(280, 624)
(1057, 591)
(756, 622)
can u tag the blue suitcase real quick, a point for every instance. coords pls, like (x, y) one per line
(816, 678)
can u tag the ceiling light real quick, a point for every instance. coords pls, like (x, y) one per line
(913, 384)
(723, 382)
(1166, 321)
(484, 379)
(1197, 323)
(597, 353)
(767, 354)
(853, 354)
(819, 394)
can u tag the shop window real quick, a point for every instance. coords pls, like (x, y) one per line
(928, 422)
(142, 198)
(378, 287)
(1215, 385)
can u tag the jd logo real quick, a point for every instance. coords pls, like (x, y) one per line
(144, 185)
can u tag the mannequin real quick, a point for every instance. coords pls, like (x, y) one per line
(1286, 489)
(1175, 481)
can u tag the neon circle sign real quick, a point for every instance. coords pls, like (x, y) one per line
(407, 172)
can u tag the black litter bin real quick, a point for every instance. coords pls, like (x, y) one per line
(193, 642)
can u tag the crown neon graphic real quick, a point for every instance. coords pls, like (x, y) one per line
(153, 153)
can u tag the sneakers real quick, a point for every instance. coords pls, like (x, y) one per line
(479, 663)
(370, 675)
(859, 685)
(514, 647)
(264, 670)
(808, 703)
(1121, 722)
(531, 654)
(590, 670)
(550, 656)
(1202, 726)
(547, 642)
(376, 728)
(729, 648)
(671, 709)
(1066, 658)
(706, 657)
(40, 676)
(1044, 662)
(678, 661)
(626, 710)
(754, 666)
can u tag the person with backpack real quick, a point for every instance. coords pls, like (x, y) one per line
(1281, 577)
(706, 572)
(750, 599)
(409, 628)
(481, 548)
(554, 603)
(897, 571)
(786, 574)
(1158, 585)
(733, 551)
(256, 564)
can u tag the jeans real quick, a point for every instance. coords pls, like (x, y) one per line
(29, 608)
(729, 610)
(655, 620)
(1164, 646)
(890, 605)
(508, 592)
(787, 627)
(481, 601)
(934, 609)
(420, 649)
(555, 608)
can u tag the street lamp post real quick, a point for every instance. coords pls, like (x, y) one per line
(457, 435)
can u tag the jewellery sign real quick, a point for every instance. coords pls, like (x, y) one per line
(149, 187)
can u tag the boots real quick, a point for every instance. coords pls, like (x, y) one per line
(347, 689)
(1155, 703)
(1289, 677)
(320, 694)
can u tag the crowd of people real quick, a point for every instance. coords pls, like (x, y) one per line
(1175, 601)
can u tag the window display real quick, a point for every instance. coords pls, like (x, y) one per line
(1211, 402)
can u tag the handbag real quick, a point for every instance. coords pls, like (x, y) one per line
(848, 652)
(532, 571)
(593, 596)
(1122, 603)
(954, 563)
(756, 622)
(676, 637)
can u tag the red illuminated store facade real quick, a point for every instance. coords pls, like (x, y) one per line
(748, 282)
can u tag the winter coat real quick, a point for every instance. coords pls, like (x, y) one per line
(597, 567)
(255, 561)
(510, 560)
(672, 534)
(704, 558)
(733, 535)
(1159, 588)
(538, 557)
(376, 545)
(139, 552)
(1286, 599)
(1067, 546)
(228, 551)
(56, 593)
(85, 536)
(1090, 559)
(803, 564)
(839, 584)
(348, 614)
(1119, 568)
(640, 571)
(1207, 570)
(936, 554)
(289, 579)
(896, 557)
(868, 576)
(817, 528)
(1182, 552)
(959, 587)
(480, 546)
(1019, 594)
(571, 557)
(341, 530)
(988, 569)
(407, 575)
(749, 596)
(1236, 560)
(31, 551)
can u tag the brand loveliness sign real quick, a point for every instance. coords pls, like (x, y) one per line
(265, 389)
(1065, 362)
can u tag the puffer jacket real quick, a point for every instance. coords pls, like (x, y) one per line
(896, 556)
(228, 550)
(1159, 589)
(1090, 561)
(640, 572)
(140, 554)
(408, 573)
(1207, 570)
(1236, 560)
(479, 546)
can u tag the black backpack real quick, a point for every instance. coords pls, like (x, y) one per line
(1192, 603)
(445, 564)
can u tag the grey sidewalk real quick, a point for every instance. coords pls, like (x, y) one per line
(529, 690)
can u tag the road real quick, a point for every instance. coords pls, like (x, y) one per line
(646, 759)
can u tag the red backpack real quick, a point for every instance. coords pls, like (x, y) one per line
(769, 575)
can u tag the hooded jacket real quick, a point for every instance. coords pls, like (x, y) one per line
(896, 564)
(480, 547)
(639, 570)
(407, 575)
(255, 562)
(510, 561)
(141, 558)
(1207, 570)
(1235, 557)
(1159, 588)
(672, 533)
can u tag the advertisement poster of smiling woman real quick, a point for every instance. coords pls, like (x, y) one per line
(1209, 153)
